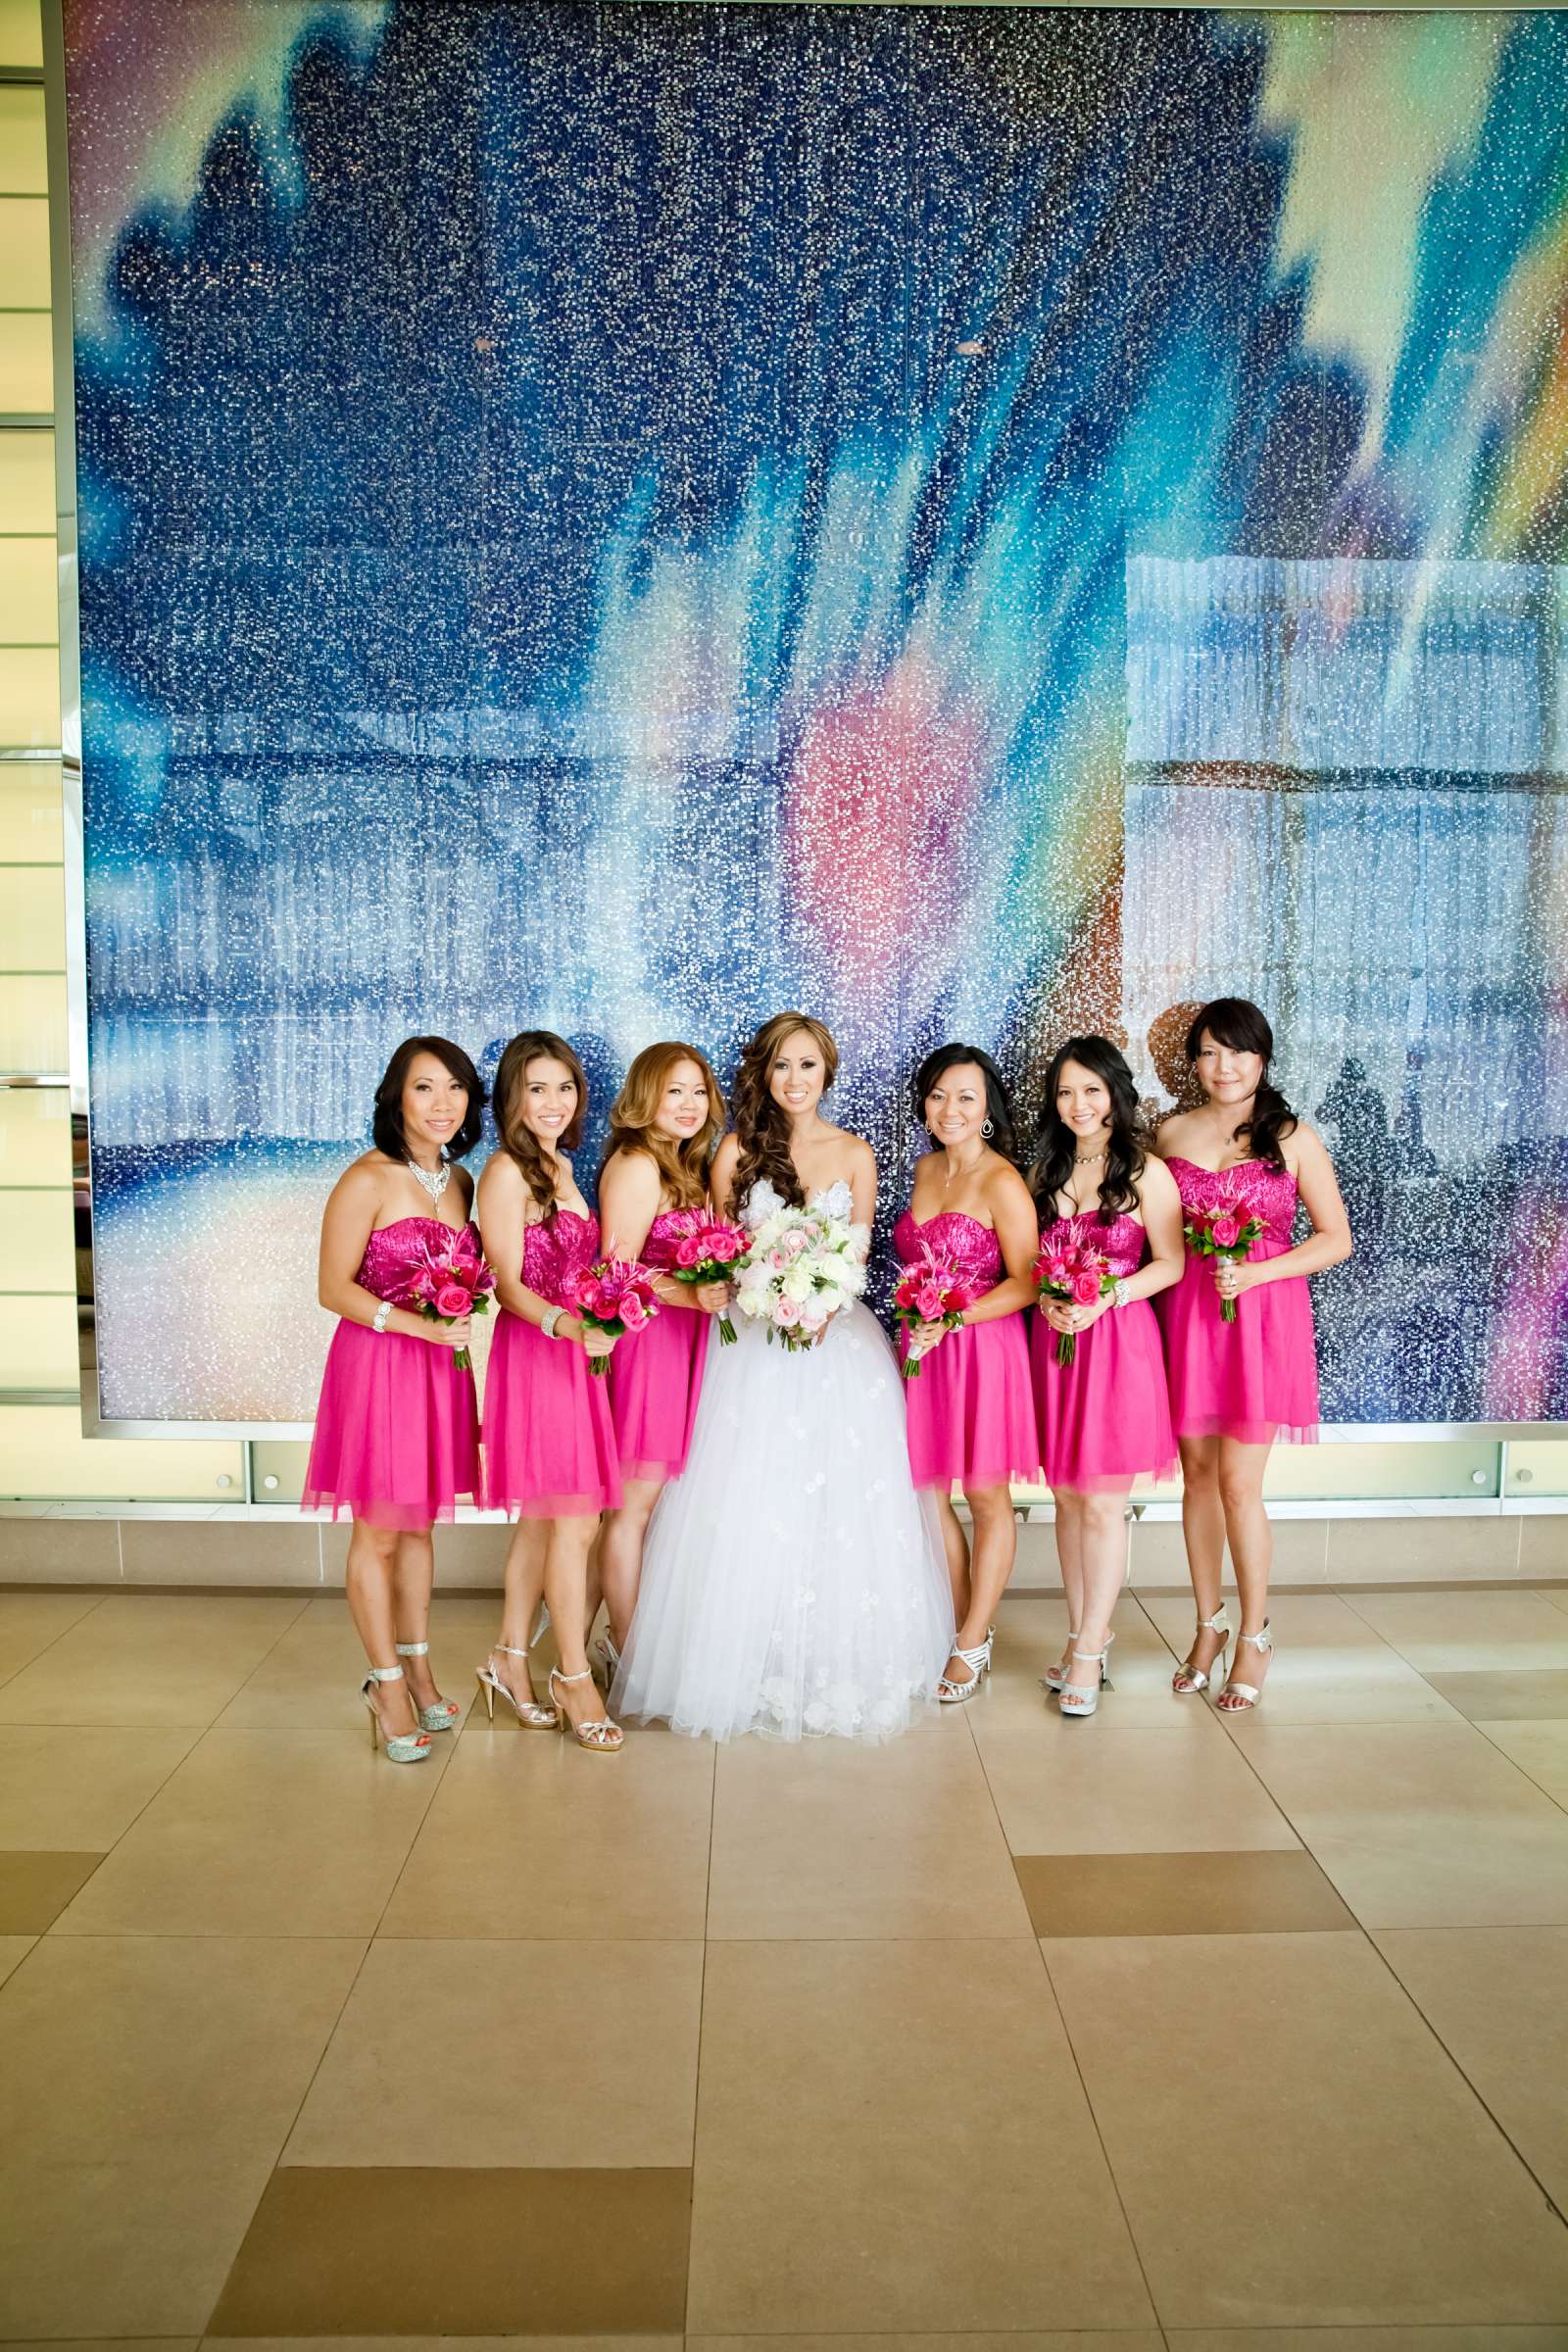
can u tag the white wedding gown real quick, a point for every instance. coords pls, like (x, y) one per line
(792, 1580)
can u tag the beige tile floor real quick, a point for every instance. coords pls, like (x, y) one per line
(1017, 2036)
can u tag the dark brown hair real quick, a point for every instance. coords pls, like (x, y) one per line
(1058, 1145)
(1238, 1023)
(519, 1139)
(762, 1127)
(386, 1124)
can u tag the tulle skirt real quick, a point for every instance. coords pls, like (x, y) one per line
(970, 1412)
(792, 1580)
(397, 1432)
(549, 1441)
(1104, 1418)
(1254, 1379)
(655, 1376)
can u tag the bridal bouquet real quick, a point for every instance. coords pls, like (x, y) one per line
(801, 1266)
(1076, 1275)
(1225, 1226)
(447, 1280)
(708, 1250)
(930, 1291)
(615, 1296)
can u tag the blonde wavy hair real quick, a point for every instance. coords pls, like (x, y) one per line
(516, 1139)
(762, 1127)
(682, 1166)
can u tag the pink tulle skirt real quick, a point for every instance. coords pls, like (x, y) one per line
(969, 1416)
(397, 1432)
(1104, 1418)
(1253, 1380)
(656, 1377)
(549, 1440)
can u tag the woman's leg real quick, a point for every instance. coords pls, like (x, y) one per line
(955, 1544)
(620, 1552)
(1070, 1560)
(413, 1582)
(1203, 1527)
(519, 1607)
(993, 1549)
(1103, 1524)
(368, 1583)
(565, 1591)
(1252, 1542)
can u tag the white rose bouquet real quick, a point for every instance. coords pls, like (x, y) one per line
(801, 1266)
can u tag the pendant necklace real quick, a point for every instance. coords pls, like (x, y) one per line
(435, 1184)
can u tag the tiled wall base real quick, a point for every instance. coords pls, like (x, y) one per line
(252, 1552)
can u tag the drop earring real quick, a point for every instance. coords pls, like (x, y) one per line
(987, 1129)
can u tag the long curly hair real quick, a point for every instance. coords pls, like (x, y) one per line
(762, 1127)
(516, 1139)
(998, 1104)
(1125, 1152)
(1236, 1022)
(682, 1166)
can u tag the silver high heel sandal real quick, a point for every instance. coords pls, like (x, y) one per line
(1246, 1695)
(443, 1715)
(608, 1655)
(402, 1747)
(529, 1713)
(978, 1661)
(1084, 1702)
(598, 1738)
(1054, 1676)
(1189, 1678)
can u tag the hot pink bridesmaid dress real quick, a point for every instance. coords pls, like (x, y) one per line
(969, 1416)
(549, 1440)
(1254, 1379)
(656, 1374)
(397, 1430)
(1104, 1418)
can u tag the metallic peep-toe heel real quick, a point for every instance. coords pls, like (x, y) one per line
(1189, 1678)
(599, 1738)
(444, 1714)
(1245, 1695)
(529, 1713)
(1076, 1702)
(402, 1747)
(978, 1661)
(1054, 1676)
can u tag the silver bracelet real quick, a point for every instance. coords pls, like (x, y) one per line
(547, 1323)
(1118, 1291)
(382, 1315)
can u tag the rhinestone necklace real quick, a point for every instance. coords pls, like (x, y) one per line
(434, 1185)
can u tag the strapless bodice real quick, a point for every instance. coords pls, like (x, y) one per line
(557, 1251)
(666, 1229)
(959, 1240)
(1270, 1193)
(393, 1253)
(1120, 1242)
(764, 1201)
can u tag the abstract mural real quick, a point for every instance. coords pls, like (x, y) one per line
(974, 521)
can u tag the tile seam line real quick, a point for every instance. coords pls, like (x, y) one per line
(701, 2020)
(1561, 1802)
(7, 1680)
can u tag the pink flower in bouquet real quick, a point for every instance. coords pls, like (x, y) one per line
(1076, 1276)
(446, 1281)
(705, 1254)
(689, 1251)
(723, 1243)
(931, 1292)
(787, 1314)
(1085, 1288)
(930, 1302)
(1058, 1271)
(617, 1296)
(424, 1285)
(1224, 1226)
(453, 1301)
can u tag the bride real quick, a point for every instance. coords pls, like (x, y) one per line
(792, 1580)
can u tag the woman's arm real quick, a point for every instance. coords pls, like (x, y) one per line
(347, 1225)
(1329, 1242)
(628, 1203)
(1161, 1204)
(721, 1177)
(862, 1181)
(502, 1206)
(1013, 1212)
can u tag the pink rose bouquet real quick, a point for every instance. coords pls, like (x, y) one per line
(709, 1251)
(930, 1291)
(446, 1281)
(615, 1296)
(1077, 1276)
(1227, 1225)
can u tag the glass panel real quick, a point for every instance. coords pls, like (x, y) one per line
(24, 161)
(29, 697)
(39, 1344)
(32, 919)
(20, 32)
(1538, 1466)
(1412, 1468)
(26, 481)
(30, 592)
(33, 1025)
(43, 1455)
(37, 1244)
(31, 832)
(278, 1470)
(23, 251)
(27, 363)
(35, 1135)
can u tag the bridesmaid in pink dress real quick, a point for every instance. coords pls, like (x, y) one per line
(397, 1433)
(1104, 1418)
(549, 1441)
(663, 1128)
(970, 1417)
(1235, 1386)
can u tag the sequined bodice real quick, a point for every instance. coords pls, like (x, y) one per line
(957, 1240)
(1120, 1242)
(666, 1229)
(1271, 1192)
(557, 1251)
(391, 1251)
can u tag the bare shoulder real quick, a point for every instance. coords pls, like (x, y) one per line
(1004, 1187)
(1156, 1181)
(501, 1178)
(729, 1152)
(363, 1182)
(634, 1169)
(1305, 1149)
(1171, 1132)
(464, 1177)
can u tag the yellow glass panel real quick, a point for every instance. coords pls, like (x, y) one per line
(23, 251)
(1538, 1466)
(37, 1243)
(23, 157)
(27, 481)
(39, 1344)
(280, 1460)
(32, 919)
(27, 363)
(33, 1024)
(34, 1136)
(1393, 1469)
(30, 592)
(20, 32)
(31, 821)
(44, 1456)
(29, 698)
